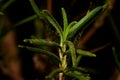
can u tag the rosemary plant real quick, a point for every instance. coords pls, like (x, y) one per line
(65, 46)
(69, 56)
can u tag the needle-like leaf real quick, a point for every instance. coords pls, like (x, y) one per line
(53, 74)
(42, 42)
(36, 9)
(77, 75)
(66, 32)
(41, 51)
(82, 69)
(85, 53)
(79, 57)
(7, 4)
(84, 20)
(24, 21)
(53, 21)
(72, 51)
(18, 24)
(65, 20)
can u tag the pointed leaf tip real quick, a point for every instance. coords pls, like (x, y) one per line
(85, 53)
(53, 21)
(65, 20)
(21, 46)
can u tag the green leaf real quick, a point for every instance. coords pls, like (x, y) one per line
(84, 21)
(65, 21)
(85, 53)
(78, 59)
(18, 24)
(42, 16)
(72, 75)
(42, 42)
(53, 21)
(68, 29)
(25, 20)
(7, 4)
(53, 74)
(41, 51)
(77, 75)
(77, 38)
(36, 9)
(81, 69)
(72, 51)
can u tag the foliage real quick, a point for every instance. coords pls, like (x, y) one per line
(66, 48)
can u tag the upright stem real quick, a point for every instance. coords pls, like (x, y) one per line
(63, 64)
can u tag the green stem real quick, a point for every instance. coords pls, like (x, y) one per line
(63, 64)
(7, 4)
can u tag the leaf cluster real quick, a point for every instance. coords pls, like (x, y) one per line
(65, 46)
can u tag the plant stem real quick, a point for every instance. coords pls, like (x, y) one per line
(63, 64)
(60, 76)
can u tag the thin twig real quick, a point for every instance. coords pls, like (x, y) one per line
(49, 5)
(101, 47)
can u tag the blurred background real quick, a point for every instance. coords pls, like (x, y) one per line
(99, 38)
